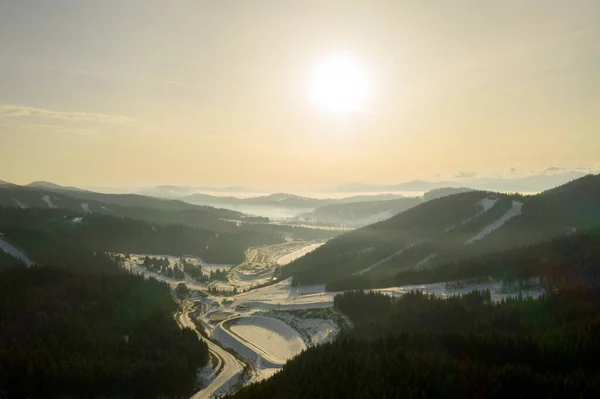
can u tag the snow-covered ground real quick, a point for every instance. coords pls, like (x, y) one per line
(484, 205)
(49, 202)
(20, 204)
(14, 251)
(515, 210)
(133, 263)
(282, 296)
(497, 290)
(261, 262)
(290, 257)
(264, 341)
(314, 329)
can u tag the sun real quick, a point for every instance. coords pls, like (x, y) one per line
(339, 84)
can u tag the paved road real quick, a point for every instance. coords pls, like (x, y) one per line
(232, 368)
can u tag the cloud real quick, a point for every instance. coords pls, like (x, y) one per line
(59, 128)
(464, 175)
(19, 111)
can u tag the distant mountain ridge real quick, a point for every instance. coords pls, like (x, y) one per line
(52, 186)
(526, 184)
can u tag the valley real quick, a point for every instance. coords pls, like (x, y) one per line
(259, 311)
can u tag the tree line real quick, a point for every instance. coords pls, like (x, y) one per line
(72, 334)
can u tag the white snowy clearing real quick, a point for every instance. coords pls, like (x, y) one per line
(282, 296)
(515, 210)
(265, 341)
(20, 204)
(15, 252)
(86, 208)
(49, 202)
(314, 330)
(484, 204)
(292, 256)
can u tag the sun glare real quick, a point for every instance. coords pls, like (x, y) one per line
(339, 84)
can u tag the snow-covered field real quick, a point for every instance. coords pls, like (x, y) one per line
(282, 296)
(314, 328)
(266, 340)
(515, 210)
(13, 251)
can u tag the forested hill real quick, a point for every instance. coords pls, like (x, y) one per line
(571, 258)
(125, 205)
(50, 236)
(452, 228)
(153, 210)
(75, 335)
(463, 347)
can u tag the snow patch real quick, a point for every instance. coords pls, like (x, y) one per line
(425, 260)
(515, 210)
(49, 202)
(86, 208)
(15, 252)
(486, 204)
(20, 204)
(290, 257)
(386, 259)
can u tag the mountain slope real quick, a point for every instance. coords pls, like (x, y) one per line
(452, 228)
(48, 235)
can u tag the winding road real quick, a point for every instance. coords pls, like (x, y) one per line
(232, 368)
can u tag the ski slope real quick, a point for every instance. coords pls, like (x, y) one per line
(15, 252)
(20, 204)
(386, 259)
(292, 256)
(515, 210)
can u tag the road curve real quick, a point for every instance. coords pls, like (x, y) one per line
(232, 368)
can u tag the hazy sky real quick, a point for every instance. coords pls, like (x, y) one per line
(142, 92)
